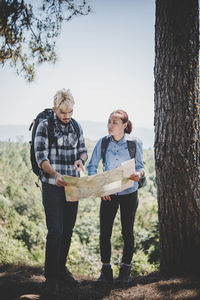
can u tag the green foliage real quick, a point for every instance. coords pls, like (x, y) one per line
(23, 228)
(21, 211)
(28, 31)
(149, 191)
(147, 231)
(4, 208)
(12, 251)
(141, 265)
(28, 232)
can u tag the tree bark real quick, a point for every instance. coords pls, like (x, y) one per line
(177, 124)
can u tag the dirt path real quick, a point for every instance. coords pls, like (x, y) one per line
(27, 283)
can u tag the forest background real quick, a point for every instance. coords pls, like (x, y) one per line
(23, 229)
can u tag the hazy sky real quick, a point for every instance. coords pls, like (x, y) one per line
(105, 58)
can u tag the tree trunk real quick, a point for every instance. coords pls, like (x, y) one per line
(177, 124)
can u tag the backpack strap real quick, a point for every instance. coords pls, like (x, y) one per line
(51, 135)
(50, 121)
(76, 127)
(104, 145)
(131, 148)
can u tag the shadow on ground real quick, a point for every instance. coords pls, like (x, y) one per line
(25, 282)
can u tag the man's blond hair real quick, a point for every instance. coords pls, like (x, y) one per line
(63, 98)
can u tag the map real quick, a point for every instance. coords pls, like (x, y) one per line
(98, 185)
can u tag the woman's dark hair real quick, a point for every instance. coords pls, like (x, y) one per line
(124, 117)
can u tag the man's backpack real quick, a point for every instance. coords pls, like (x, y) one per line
(131, 148)
(46, 114)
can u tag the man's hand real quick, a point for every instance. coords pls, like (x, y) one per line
(78, 165)
(60, 180)
(106, 198)
(45, 165)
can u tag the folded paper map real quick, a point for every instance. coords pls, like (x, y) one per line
(98, 185)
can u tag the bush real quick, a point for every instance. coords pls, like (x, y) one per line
(29, 233)
(11, 250)
(141, 265)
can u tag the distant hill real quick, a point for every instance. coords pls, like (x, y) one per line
(92, 131)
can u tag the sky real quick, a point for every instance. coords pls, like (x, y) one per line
(105, 58)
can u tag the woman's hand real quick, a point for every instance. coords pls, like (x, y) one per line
(106, 198)
(135, 176)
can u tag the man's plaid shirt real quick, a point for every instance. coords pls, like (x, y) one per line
(69, 148)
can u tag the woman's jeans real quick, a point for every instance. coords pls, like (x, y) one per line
(60, 220)
(128, 205)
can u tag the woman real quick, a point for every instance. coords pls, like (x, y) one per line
(116, 153)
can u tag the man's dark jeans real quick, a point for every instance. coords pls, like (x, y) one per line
(128, 205)
(60, 220)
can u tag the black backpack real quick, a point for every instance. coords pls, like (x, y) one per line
(132, 150)
(46, 114)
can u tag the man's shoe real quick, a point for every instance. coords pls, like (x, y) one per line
(124, 275)
(50, 289)
(66, 279)
(106, 275)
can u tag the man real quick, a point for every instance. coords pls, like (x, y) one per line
(66, 155)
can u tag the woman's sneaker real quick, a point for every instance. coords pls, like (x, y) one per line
(106, 275)
(124, 275)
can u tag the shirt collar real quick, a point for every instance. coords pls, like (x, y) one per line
(118, 142)
(123, 140)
